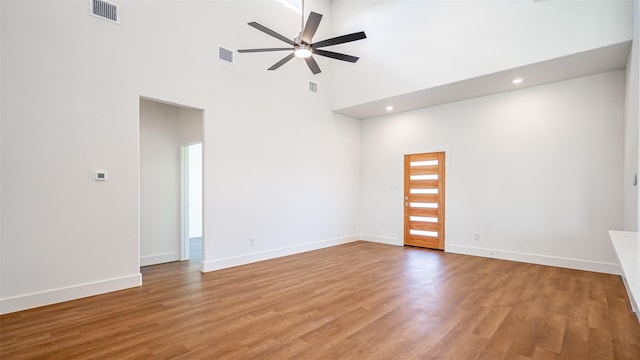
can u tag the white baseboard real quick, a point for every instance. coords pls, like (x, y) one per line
(577, 264)
(275, 253)
(147, 260)
(29, 301)
(382, 239)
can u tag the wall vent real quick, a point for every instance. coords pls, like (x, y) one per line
(105, 10)
(313, 87)
(225, 54)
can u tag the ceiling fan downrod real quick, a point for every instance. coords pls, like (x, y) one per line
(301, 20)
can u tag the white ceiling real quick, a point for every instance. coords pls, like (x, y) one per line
(586, 63)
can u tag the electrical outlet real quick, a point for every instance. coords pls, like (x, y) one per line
(252, 241)
(476, 237)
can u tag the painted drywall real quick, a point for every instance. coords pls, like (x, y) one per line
(160, 163)
(632, 119)
(279, 166)
(629, 256)
(416, 45)
(535, 172)
(191, 134)
(635, 114)
(190, 125)
(67, 107)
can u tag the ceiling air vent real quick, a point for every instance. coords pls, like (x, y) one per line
(313, 87)
(105, 10)
(225, 55)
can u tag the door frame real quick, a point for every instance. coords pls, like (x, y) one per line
(185, 245)
(185, 249)
(448, 157)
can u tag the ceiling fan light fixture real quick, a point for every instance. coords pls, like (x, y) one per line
(302, 51)
(303, 45)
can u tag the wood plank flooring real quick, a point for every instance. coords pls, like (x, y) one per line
(356, 301)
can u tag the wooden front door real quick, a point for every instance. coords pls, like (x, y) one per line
(424, 200)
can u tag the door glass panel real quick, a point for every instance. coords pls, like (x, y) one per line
(424, 177)
(423, 191)
(424, 163)
(423, 233)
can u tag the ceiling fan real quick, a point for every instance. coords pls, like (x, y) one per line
(302, 45)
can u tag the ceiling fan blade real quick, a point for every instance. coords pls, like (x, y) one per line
(282, 62)
(268, 31)
(264, 50)
(335, 55)
(313, 65)
(310, 28)
(340, 40)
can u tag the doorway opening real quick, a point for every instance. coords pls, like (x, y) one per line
(169, 135)
(192, 202)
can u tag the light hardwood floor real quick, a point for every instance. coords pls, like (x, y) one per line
(355, 301)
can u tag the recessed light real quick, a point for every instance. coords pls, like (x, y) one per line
(517, 80)
(389, 108)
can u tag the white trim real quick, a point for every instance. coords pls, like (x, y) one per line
(153, 259)
(185, 180)
(382, 239)
(185, 250)
(232, 261)
(29, 301)
(577, 264)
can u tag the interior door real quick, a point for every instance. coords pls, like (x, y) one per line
(424, 180)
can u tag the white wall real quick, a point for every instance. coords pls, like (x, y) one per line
(191, 133)
(535, 172)
(632, 119)
(190, 125)
(66, 110)
(279, 166)
(631, 164)
(416, 45)
(159, 183)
